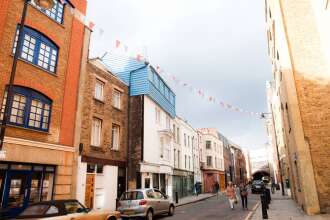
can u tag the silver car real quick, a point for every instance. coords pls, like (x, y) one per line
(144, 203)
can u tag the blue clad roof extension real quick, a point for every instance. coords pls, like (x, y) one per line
(142, 79)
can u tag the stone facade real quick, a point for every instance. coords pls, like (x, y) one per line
(299, 46)
(55, 147)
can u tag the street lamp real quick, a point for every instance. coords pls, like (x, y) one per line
(263, 116)
(45, 4)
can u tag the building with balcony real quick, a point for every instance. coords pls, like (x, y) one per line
(151, 110)
(39, 139)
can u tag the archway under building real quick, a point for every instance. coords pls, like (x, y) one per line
(259, 174)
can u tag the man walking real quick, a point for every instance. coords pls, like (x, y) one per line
(244, 195)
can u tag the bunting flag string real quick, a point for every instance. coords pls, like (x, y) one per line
(200, 92)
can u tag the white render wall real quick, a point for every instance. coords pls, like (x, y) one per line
(81, 181)
(153, 134)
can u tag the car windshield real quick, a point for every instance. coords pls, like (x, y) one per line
(135, 195)
(257, 182)
(35, 210)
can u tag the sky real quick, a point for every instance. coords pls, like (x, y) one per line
(215, 45)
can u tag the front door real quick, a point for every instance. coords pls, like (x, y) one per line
(17, 191)
(89, 193)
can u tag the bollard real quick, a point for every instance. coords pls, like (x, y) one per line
(176, 197)
(263, 206)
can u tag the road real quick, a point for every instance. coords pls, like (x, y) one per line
(212, 209)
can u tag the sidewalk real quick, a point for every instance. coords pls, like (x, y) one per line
(194, 198)
(284, 208)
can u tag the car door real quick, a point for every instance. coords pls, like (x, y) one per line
(161, 202)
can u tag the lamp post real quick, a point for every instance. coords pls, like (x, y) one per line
(263, 116)
(45, 4)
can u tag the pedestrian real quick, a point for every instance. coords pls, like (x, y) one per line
(244, 195)
(231, 195)
(216, 188)
(197, 188)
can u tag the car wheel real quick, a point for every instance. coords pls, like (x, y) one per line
(150, 215)
(112, 218)
(171, 210)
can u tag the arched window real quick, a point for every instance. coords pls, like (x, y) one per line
(29, 109)
(56, 13)
(38, 49)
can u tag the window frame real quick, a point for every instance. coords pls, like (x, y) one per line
(44, 11)
(102, 84)
(39, 39)
(29, 95)
(112, 137)
(119, 95)
(100, 133)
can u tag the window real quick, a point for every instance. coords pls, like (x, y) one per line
(288, 116)
(179, 160)
(29, 109)
(178, 135)
(185, 139)
(35, 210)
(185, 161)
(161, 86)
(96, 132)
(37, 49)
(172, 98)
(99, 90)
(209, 161)
(208, 144)
(167, 93)
(56, 13)
(116, 99)
(156, 80)
(174, 132)
(115, 137)
(216, 162)
(157, 110)
(73, 207)
(189, 162)
(168, 122)
(188, 141)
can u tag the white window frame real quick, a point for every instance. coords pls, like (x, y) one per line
(96, 134)
(99, 94)
(116, 98)
(115, 141)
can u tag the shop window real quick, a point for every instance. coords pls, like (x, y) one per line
(91, 168)
(47, 189)
(37, 49)
(99, 168)
(29, 109)
(56, 13)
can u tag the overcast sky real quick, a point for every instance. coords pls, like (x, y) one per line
(216, 45)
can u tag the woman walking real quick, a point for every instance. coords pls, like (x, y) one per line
(231, 195)
(244, 194)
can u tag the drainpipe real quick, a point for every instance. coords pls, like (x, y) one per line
(129, 161)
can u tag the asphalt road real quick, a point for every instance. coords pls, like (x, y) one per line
(212, 208)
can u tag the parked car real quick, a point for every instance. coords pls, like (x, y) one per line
(257, 186)
(145, 203)
(65, 210)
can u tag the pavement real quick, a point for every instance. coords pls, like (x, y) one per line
(284, 208)
(211, 208)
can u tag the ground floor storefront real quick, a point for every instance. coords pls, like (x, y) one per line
(210, 178)
(33, 172)
(183, 183)
(157, 176)
(100, 182)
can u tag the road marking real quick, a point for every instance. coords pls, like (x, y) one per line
(248, 217)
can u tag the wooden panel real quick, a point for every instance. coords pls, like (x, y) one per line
(89, 193)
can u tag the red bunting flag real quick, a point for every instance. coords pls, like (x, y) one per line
(118, 43)
(158, 69)
(210, 98)
(91, 25)
(139, 57)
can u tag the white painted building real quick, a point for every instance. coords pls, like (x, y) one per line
(186, 158)
(157, 166)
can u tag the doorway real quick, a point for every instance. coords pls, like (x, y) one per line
(89, 193)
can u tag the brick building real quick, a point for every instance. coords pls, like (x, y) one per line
(39, 141)
(299, 49)
(103, 136)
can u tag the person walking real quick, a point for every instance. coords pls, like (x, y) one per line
(244, 195)
(216, 188)
(231, 195)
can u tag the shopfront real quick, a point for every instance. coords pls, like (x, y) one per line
(22, 184)
(183, 183)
